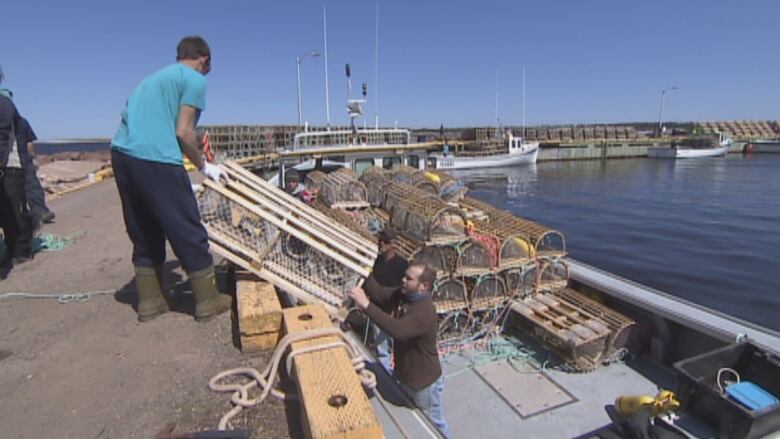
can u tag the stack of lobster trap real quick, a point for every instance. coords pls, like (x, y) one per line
(492, 266)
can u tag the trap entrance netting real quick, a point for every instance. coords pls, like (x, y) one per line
(264, 230)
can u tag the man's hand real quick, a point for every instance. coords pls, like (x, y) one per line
(214, 172)
(359, 296)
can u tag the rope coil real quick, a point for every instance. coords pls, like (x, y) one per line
(265, 379)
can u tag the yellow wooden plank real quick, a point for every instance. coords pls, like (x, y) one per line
(259, 310)
(259, 342)
(332, 399)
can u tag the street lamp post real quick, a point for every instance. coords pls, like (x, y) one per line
(661, 113)
(298, 71)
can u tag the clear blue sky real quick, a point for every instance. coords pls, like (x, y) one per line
(72, 64)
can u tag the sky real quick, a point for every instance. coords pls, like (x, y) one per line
(72, 64)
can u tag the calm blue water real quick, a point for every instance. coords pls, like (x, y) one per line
(707, 230)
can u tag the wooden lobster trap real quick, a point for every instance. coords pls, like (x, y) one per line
(404, 174)
(441, 258)
(449, 294)
(279, 238)
(520, 281)
(487, 291)
(375, 180)
(341, 189)
(475, 257)
(553, 275)
(575, 335)
(423, 217)
(521, 238)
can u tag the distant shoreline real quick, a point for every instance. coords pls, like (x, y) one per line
(48, 148)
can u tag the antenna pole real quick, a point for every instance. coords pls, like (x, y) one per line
(376, 69)
(496, 101)
(523, 103)
(327, 94)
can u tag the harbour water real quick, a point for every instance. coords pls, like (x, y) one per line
(705, 230)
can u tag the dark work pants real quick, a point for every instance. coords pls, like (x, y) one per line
(14, 216)
(158, 203)
(36, 198)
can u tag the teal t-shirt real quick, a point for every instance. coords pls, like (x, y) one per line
(148, 127)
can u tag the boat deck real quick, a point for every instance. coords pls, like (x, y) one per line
(516, 399)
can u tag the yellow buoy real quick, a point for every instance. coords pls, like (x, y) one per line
(434, 178)
(526, 247)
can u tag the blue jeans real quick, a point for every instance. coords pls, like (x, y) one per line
(382, 343)
(429, 400)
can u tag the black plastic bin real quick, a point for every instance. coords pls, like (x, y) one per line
(699, 394)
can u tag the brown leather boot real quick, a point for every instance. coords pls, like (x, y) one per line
(151, 301)
(208, 301)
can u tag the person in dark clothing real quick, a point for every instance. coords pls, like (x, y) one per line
(14, 216)
(387, 274)
(36, 196)
(413, 326)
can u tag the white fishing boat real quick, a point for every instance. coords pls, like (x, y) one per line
(685, 151)
(518, 152)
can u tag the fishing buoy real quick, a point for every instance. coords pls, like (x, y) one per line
(433, 178)
(526, 247)
(663, 402)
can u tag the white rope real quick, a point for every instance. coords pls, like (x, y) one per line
(265, 379)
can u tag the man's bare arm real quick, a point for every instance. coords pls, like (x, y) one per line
(185, 133)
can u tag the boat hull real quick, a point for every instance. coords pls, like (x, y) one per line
(763, 146)
(496, 161)
(685, 153)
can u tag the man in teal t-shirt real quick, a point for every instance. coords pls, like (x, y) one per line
(158, 125)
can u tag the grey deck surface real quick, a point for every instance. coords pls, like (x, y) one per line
(473, 409)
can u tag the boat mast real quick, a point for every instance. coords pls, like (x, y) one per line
(523, 126)
(376, 69)
(497, 120)
(327, 95)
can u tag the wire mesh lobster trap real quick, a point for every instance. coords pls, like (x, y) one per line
(521, 239)
(423, 217)
(413, 177)
(553, 275)
(279, 238)
(520, 281)
(487, 291)
(439, 257)
(449, 294)
(475, 257)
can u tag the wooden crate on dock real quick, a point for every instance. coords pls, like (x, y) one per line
(578, 337)
(333, 403)
(259, 315)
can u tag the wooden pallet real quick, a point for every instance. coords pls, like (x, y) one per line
(259, 315)
(578, 337)
(618, 324)
(333, 402)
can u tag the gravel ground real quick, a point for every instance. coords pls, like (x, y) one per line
(90, 370)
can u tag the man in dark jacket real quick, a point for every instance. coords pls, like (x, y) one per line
(387, 274)
(14, 216)
(413, 327)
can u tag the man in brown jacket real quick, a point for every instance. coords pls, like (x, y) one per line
(413, 328)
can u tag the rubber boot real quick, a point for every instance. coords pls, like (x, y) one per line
(208, 301)
(151, 301)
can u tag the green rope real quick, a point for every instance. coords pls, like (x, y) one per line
(47, 242)
(61, 297)
(50, 243)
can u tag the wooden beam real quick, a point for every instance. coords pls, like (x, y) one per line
(333, 402)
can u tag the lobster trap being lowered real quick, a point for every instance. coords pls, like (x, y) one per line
(279, 238)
